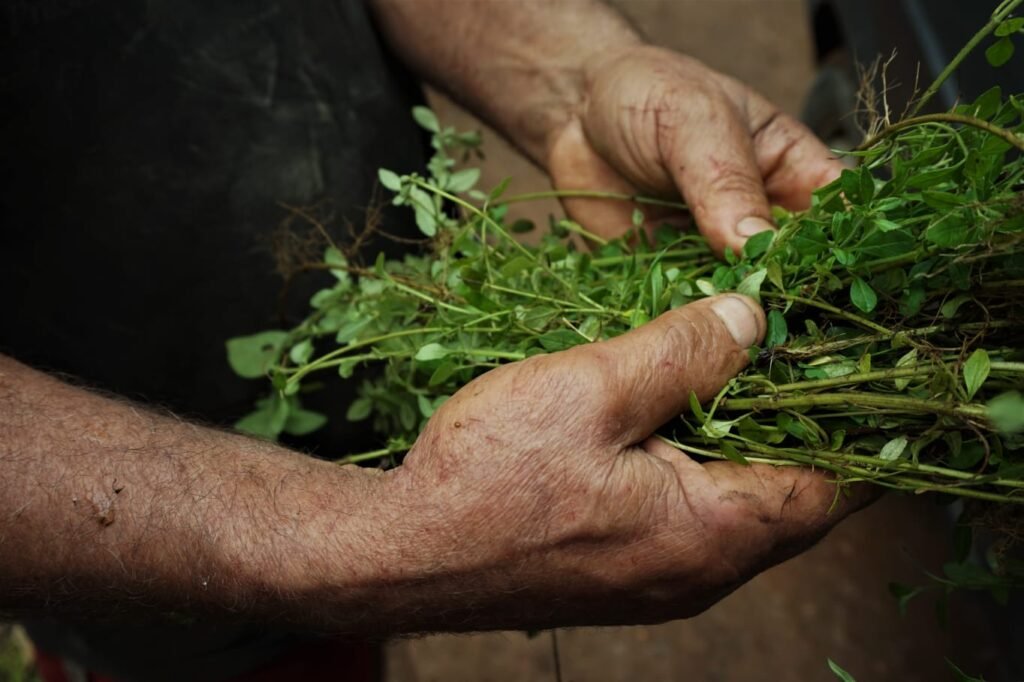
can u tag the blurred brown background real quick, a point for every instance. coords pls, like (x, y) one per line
(830, 602)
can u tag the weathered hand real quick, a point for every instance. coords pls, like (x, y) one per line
(659, 123)
(537, 497)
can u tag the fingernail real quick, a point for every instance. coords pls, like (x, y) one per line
(752, 225)
(738, 318)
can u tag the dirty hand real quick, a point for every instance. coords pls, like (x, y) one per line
(537, 497)
(661, 124)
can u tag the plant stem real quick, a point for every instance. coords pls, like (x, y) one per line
(1002, 133)
(1002, 11)
(856, 319)
(590, 194)
(371, 454)
(640, 257)
(883, 374)
(854, 399)
(899, 481)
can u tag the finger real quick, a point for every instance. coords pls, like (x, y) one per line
(793, 161)
(651, 371)
(771, 513)
(719, 176)
(575, 165)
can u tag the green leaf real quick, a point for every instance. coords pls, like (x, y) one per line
(1006, 411)
(425, 220)
(349, 331)
(942, 201)
(809, 240)
(999, 52)
(758, 244)
(426, 119)
(976, 371)
(463, 180)
(862, 295)
(949, 230)
(731, 453)
(706, 287)
(268, 420)
(751, 284)
(950, 307)
(407, 416)
(1009, 27)
(359, 409)
(887, 244)
(517, 265)
(893, 450)
(775, 275)
(839, 672)
(301, 422)
(657, 278)
(778, 330)
(389, 179)
(887, 225)
(695, 407)
(907, 360)
(559, 339)
(425, 406)
(442, 374)
(333, 256)
(347, 367)
(499, 189)
(850, 181)
(432, 351)
(251, 356)
(301, 352)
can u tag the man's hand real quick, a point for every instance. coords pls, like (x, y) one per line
(658, 123)
(575, 87)
(537, 497)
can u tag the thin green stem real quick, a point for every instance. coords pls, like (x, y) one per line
(1002, 133)
(884, 374)
(896, 480)
(854, 399)
(371, 454)
(590, 194)
(1002, 11)
(821, 305)
(493, 224)
(640, 257)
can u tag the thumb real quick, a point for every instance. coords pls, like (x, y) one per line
(718, 175)
(653, 369)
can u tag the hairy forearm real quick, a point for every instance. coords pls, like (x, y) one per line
(111, 510)
(521, 65)
(107, 507)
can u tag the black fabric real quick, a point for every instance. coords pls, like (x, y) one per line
(147, 147)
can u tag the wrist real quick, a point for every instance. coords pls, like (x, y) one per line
(318, 551)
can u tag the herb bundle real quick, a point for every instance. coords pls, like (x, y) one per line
(895, 344)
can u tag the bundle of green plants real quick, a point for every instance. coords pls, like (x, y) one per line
(895, 345)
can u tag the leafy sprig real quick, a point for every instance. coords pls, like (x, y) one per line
(894, 308)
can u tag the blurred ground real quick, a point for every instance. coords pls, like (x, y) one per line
(830, 602)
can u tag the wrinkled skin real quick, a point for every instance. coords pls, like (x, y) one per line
(541, 489)
(661, 124)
